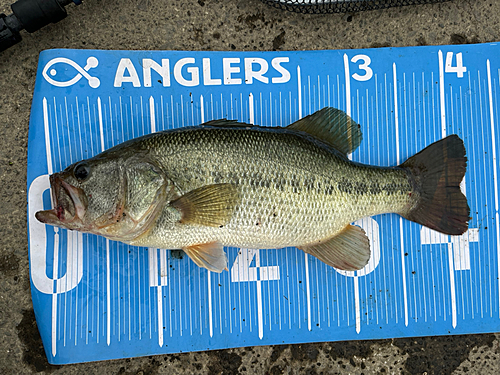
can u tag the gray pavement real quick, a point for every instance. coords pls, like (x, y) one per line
(217, 25)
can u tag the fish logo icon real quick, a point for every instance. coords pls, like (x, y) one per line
(49, 71)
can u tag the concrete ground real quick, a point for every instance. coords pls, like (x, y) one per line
(217, 25)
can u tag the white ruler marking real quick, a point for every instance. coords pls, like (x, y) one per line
(251, 109)
(74, 249)
(442, 100)
(90, 126)
(479, 152)
(414, 265)
(190, 300)
(319, 94)
(441, 94)
(101, 128)
(151, 113)
(347, 85)
(310, 99)
(192, 110)
(77, 237)
(299, 91)
(457, 247)
(220, 302)
(288, 295)
(182, 301)
(163, 267)
(169, 299)
(396, 112)
(357, 305)
(210, 322)
(153, 267)
(260, 318)
(452, 286)
(200, 300)
(495, 166)
(423, 95)
(398, 161)
(108, 279)
(490, 284)
(298, 286)
(308, 293)
(56, 231)
(318, 292)
(393, 268)
(337, 299)
(279, 293)
(202, 109)
(47, 136)
(159, 298)
(79, 128)
(162, 106)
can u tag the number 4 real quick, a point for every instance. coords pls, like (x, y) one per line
(460, 69)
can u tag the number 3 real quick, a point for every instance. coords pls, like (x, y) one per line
(368, 71)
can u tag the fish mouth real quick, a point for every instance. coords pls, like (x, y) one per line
(70, 204)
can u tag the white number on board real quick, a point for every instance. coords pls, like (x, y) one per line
(460, 69)
(45, 252)
(364, 66)
(241, 270)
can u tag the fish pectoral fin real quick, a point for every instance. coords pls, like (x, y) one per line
(208, 255)
(211, 205)
(333, 127)
(349, 250)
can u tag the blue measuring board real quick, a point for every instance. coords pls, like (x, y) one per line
(96, 299)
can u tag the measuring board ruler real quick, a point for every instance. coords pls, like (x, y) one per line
(97, 299)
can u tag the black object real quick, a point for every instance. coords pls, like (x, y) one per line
(30, 15)
(341, 6)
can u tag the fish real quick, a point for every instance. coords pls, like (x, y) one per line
(226, 183)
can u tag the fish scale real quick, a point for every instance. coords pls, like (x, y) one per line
(292, 188)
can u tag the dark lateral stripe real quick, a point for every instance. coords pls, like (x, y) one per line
(362, 188)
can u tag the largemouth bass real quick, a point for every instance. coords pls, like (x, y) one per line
(225, 183)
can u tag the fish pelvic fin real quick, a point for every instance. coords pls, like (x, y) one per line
(348, 250)
(208, 255)
(211, 205)
(331, 126)
(436, 173)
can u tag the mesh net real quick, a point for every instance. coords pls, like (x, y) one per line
(341, 6)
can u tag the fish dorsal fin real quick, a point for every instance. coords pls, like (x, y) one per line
(333, 127)
(211, 205)
(223, 123)
(349, 250)
(208, 255)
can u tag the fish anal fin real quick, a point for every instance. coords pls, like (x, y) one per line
(208, 255)
(211, 205)
(331, 126)
(348, 250)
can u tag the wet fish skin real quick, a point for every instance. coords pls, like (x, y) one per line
(293, 189)
(230, 184)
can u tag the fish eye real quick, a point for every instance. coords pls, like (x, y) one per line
(81, 171)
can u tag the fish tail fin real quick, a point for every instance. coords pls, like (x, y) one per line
(436, 173)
